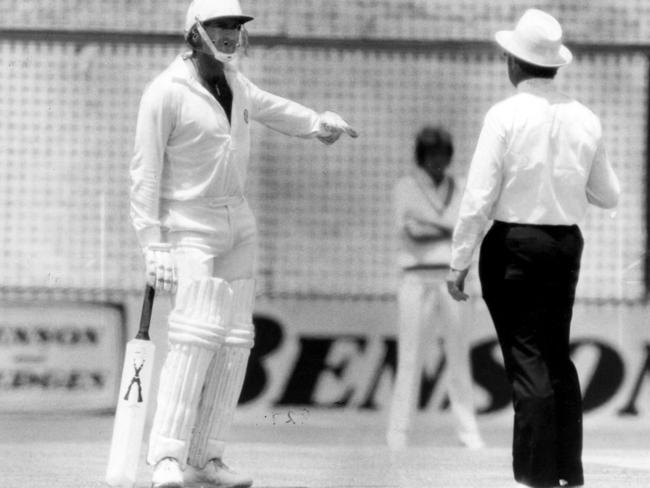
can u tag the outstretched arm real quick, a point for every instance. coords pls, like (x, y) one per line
(294, 119)
(332, 126)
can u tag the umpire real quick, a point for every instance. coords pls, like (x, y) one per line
(539, 161)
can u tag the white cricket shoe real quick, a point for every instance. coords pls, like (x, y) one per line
(216, 474)
(167, 474)
(471, 440)
(396, 439)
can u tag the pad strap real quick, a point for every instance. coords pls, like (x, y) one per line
(202, 313)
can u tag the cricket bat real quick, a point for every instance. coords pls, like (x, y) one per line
(131, 411)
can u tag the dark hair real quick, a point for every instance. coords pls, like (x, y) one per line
(432, 139)
(535, 71)
(193, 38)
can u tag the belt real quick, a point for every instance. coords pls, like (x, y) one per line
(425, 267)
(509, 225)
(212, 202)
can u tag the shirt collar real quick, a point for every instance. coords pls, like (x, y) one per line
(182, 70)
(423, 177)
(179, 69)
(532, 85)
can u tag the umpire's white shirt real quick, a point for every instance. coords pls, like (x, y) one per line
(540, 159)
(186, 150)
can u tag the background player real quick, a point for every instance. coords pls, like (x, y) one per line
(426, 206)
(199, 235)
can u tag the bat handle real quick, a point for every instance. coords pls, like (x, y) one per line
(145, 317)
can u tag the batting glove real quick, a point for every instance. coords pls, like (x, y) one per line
(161, 272)
(332, 126)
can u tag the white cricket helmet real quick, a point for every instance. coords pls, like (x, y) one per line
(206, 10)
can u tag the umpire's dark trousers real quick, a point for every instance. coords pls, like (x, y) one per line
(529, 275)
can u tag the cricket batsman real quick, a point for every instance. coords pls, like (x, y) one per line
(199, 236)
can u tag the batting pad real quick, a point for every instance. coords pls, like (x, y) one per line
(202, 313)
(197, 328)
(224, 380)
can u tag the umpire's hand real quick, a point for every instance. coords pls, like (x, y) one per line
(456, 284)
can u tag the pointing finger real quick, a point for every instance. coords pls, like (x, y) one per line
(351, 132)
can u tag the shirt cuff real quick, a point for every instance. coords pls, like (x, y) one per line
(314, 126)
(459, 263)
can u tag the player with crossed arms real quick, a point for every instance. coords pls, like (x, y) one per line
(199, 235)
(426, 205)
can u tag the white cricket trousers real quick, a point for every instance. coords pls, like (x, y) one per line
(210, 239)
(426, 312)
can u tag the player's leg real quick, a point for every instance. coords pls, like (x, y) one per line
(515, 292)
(553, 341)
(534, 431)
(225, 376)
(456, 318)
(224, 381)
(555, 347)
(406, 389)
(196, 329)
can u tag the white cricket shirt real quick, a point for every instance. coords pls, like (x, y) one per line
(417, 200)
(186, 149)
(539, 159)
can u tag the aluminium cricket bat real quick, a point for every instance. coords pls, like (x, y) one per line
(131, 411)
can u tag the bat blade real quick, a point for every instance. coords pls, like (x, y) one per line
(131, 411)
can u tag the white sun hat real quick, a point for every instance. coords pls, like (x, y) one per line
(536, 39)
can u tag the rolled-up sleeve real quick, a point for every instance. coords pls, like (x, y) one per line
(154, 125)
(285, 116)
(603, 188)
(481, 192)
